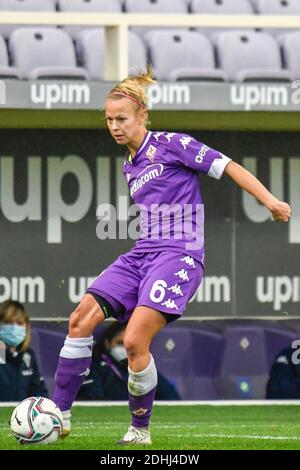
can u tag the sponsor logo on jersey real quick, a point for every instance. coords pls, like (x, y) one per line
(151, 152)
(149, 173)
(201, 154)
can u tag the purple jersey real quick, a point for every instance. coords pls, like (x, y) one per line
(164, 184)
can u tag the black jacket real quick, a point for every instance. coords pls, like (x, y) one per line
(284, 380)
(108, 381)
(20, 377)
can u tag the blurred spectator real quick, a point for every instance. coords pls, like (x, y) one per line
(19, 373)
(109, 371)
(284, 380)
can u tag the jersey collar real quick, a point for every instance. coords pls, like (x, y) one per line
(128, 157)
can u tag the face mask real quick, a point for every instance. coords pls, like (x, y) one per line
(12, 335)
(118, 353)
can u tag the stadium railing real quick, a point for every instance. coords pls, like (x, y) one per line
(117, 25)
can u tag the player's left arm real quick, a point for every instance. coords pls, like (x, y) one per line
(280, 210)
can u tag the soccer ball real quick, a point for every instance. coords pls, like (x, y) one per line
(36, 420)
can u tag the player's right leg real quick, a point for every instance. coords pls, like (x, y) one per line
(113, 293)
(76, 355)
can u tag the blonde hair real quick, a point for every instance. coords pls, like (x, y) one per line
(134, 87)
(11, 311)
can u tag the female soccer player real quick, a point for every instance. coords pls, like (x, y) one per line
(151, 284)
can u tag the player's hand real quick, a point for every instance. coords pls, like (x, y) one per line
(281, 211)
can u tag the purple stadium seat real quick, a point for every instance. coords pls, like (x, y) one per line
(207, 349)
(248, 355)
(51, 343)
(35, 343)
(188, 358)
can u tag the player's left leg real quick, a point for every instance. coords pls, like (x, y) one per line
(143, 325)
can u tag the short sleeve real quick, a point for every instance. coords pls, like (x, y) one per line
(198, 156)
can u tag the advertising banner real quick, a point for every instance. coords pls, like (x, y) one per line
(56, 187)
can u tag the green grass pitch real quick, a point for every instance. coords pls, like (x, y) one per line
(193, 427)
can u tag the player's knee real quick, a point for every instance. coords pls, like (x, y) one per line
(133, 346)
(80, 315)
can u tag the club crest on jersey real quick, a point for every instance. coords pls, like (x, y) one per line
(151, 152)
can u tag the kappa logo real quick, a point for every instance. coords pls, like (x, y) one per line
(169, 136)
(170, 304)
(188, 260)
(176, 289)
(185, 141)
(151, 152)
(85, 373)
(183, 275)
(157, 135)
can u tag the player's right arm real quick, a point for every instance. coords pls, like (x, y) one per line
(199, 157)
(280, 210)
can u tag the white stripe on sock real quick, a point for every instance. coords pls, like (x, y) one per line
(76, 348)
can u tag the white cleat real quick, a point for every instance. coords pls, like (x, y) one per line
(66, 424)
(65, 432)
(136, 436)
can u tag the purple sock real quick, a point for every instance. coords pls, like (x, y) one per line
(141, 408)
(69, 377)
(73, 368)
(142, 388)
